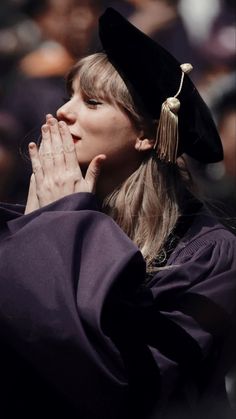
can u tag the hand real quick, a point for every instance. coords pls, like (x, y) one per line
(32, 199)
(55, 165)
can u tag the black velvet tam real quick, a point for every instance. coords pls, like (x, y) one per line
(154, 75)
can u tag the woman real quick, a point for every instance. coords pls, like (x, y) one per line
(105, 326)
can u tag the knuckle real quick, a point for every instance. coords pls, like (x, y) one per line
(47, 155)
(72, 175)
(36, 168)
(58, 151)
(59, 180)
(48, 185)
(40, 192)
(69, 148)
(70, 178)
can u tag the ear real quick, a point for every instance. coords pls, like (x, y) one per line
(144, 144)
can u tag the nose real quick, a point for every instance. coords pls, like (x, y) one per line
(66, 114)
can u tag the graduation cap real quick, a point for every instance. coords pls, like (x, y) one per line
(165, 90)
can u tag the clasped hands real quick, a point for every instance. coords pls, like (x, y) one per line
(56, 171)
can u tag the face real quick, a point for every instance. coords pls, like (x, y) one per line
(100, 127)
(71, 23)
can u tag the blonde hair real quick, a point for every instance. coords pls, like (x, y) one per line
(147, 204)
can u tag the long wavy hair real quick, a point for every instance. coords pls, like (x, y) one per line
(148, 203)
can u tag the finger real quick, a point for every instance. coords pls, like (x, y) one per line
(32, 186)
(32, 200)
(41, 147)
(69, 147)
(56, 144)
(46, 155)
(48, 116)
(94, 170)
(36, 164)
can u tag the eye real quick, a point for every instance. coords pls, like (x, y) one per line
(92, 102)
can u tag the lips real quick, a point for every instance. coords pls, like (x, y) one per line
(75, 138)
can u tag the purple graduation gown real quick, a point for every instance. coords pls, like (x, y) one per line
(84, 336)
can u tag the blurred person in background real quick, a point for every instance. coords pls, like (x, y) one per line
(36, 81)
(218, 181)
(225, 111)
(7, 161)
(19, 35)
(212, 30)
(162, 21)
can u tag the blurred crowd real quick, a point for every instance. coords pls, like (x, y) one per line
(41, 39)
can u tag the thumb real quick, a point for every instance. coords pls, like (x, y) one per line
(94, 170)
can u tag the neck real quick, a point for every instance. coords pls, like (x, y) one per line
(107, 183)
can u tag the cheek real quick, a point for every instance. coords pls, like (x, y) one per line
(106, 132)
(108, 129)
(120, 131)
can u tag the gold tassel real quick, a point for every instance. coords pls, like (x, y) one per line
(167, 138)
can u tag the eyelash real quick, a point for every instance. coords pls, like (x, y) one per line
(89, 102)
(92, 102)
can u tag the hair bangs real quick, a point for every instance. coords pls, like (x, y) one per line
(98, 79)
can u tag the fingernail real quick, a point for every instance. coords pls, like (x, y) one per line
(52, 121)
(45, 128)
(31, 146)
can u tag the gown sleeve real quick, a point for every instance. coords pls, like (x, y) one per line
(186, 317)
(57, 269)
